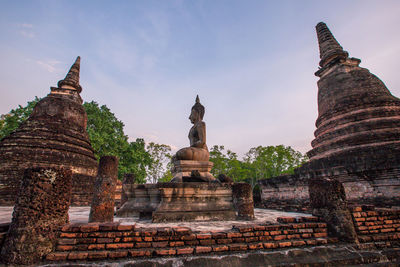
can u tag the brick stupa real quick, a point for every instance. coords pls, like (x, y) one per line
(54, 135)
(357, 140)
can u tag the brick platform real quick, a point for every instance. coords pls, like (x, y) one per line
(95, 241)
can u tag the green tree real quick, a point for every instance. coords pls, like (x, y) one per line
(9, 122)
(271, 161)
(107, 137)
(161, 157)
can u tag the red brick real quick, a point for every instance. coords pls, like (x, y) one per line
(320, 234)
(181, 251)
(165, 252)
(310, 219)
(108, 226)
(66, 241)
(126, 227)
(306, 230)
(293, 236)
(86, 240)
(371, 219)
(139, 253)
(244, 229)
(224, 241)
(265, 238)
(143, 245)
(311, 225)
(311, 242)
(259, 227)
(97, 254)
(218, 235)
(90, 227)
(298, 225)
(251, 239)
(220, 248)
(176, 243)
(70, 235)
(203, 249)
(192, 242)
(235, 247)
(233, 234)
(57, 256)
(105, 240)
(203, 236)
(372, 213)
(161, 238)
(272, 227)
(358, 208)
(238, 240)
(306, 235)
(388, 230)
(356, 214)
(248, 234)
(181, 230)
(275, 232)
(298, 243)
(96, 246)
(189, 237)
(147, 238)
(64, 248)
(77, 255)
(256, 246)
(207, 242)
(117, 254)
(159, 244)
(279, 237)
(270, 245)
(164, 231)
(285, 244)
(359, 219)
(119, 245)
(286, 219)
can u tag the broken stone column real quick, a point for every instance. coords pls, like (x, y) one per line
(328, 201)
(243, 200)
(102, 209)
(41, 209)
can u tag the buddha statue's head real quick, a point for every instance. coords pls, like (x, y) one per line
(197, 113)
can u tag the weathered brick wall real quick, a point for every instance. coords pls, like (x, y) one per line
(286, 192)
(379, 226)
(95, 241)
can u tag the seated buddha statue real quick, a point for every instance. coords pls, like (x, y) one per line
(198, 150)
(194, 159)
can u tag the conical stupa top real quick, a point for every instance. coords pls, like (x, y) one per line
(197, 99)
(71, 81)
(329, 49)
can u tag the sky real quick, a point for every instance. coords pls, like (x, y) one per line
(251, 62)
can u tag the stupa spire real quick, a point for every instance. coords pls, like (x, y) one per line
(71, 81)
(329, 49)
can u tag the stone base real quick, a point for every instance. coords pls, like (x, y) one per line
(185, 167)
(166, 202)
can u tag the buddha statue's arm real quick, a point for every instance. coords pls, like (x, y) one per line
(201, 130)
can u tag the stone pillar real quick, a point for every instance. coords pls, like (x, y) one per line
(102, 209)
(41, 209)
(243, 200)
(129, 179)
(328, 201)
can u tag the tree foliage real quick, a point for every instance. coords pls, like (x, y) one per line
(161, 158)
(9, 122)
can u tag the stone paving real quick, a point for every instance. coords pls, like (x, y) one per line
(81, 214)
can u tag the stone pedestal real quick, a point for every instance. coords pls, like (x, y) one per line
(194, 202)
(141, 200)
(41, 209)
(183, 168)
(165, 202)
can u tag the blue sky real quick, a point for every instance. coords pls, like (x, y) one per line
(251, 62)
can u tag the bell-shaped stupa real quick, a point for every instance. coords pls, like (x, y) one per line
(54, 135)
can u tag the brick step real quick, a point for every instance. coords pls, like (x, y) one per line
(146, 252)
(379, 237)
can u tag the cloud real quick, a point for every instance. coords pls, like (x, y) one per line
(49, 65)
(26, 30)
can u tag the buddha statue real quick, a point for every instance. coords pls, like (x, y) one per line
(198, 150)
(196, 156)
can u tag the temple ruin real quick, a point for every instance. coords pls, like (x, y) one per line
(53, 136)
(357, 140)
